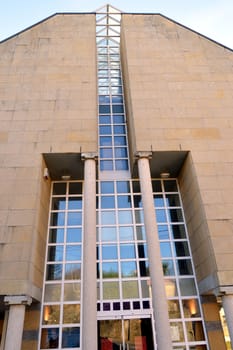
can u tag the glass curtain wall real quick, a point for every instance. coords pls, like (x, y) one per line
(125, 316)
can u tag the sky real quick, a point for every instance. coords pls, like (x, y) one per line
(212, 18)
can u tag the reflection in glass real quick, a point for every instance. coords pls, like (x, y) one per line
(178, 231)
(165, 249)
(144, 268)
(51, 314)
(126, 233)
(187, 286)
(109, 252)
(127, 251)
(177, 332)
(174, 309)
(52, 292)
(73, 252)
(72, 291)
(195, 331)
(141, 234)
(175, 215)
(163, 232)
(49, 338)
(182, 248)
(145, 288)
(142, 251)
(59, 188)
(58, 203)
(73, 271)
(107, 202)
(108, 234)
(168, 268)
(74, 219)
(172, 200)
(108, 217)
(158, 200)
(107, 187)
(57, 219)
(161, 215)
(74, 235)
(190, 308)
(130, 289)
(125, 217)
(111, 290)
(184, 267)
(128, 269)
(170, 186)
(71, 313)
(139, 216)
(55, 253)
(170, 287)
(124, 201)
(54, 272)
(106, 165)
(110, 270)
(74, 203)
(70, 337)
(56, 235)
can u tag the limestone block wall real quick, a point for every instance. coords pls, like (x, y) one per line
(179, 95)
(47, 104)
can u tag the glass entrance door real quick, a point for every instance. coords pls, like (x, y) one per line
(125, 334)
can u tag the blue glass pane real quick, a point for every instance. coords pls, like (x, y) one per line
(71, 337)
(124, 202)
(108, 234)
(119, 140)
(126, 233)
(104, 109)
(125, 217)
(110, 270)
(109, 252)
(105, 130)
(57, 219)
(123, 187)
(122, 164)
(107, 187)
(115, 81)
(106, 165)
(108, 217)
(104, 119)
(118, 119)
(106, 153)
(74, 218)
(119, 129)
(116, 90)
(168, 268)
(73, 252)
(161, 215)
(105, 141)
(127, 251)
(117, 99)
(117, 108)
(74, 235)
(104, 99)
(75, 203)
(163, 231)
(107, 202)
(128, 269)
(55, 253)
(56, 235)
(121, 152)
(158, 201)
(165, 249)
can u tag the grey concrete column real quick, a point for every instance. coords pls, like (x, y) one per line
(14, 332)
(227, 302)
(89, 294)
(159, 300)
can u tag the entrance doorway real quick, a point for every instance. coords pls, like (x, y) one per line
(125, 334)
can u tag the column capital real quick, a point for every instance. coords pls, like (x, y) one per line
(143, 154)
(17, 300)
(89, 155)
